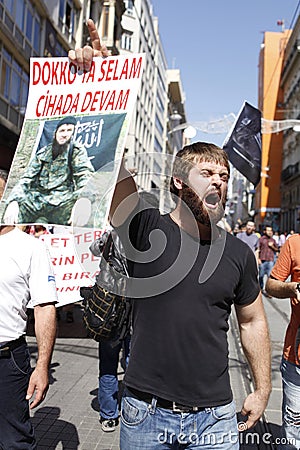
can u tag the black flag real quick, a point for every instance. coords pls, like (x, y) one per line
(243, 144)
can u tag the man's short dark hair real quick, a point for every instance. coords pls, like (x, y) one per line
(193, 154)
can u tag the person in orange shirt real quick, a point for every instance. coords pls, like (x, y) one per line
(288, 265)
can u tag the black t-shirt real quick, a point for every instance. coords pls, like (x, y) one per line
(179, 348)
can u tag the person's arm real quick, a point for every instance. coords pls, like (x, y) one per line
(255, 341)
(45, 331)
(276, 285)
(125, 196)
(273, 246)
(256, 253)
(282, 289)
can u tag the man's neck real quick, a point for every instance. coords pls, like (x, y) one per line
(189, 224)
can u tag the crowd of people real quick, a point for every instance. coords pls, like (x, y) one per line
(265, 245)
(186, 275)
(279, 266)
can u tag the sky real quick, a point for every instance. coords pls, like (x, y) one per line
(215, 44)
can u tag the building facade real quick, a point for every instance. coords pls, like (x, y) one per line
(290, 176)
(270, 97)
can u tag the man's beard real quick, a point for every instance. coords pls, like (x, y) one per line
(59, 149)
(198, 209)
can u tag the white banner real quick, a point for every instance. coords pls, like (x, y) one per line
(74, 265)
(72, 141)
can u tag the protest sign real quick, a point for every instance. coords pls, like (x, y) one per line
(72, 140)
(73, 264)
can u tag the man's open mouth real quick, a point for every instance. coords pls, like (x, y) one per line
(212, 199)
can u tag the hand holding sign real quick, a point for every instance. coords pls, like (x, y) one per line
(83, 57)
(81, 212)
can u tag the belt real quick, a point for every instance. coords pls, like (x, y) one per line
(7, 348)
(163, 403)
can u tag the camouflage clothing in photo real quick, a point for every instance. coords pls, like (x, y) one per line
(49, 187)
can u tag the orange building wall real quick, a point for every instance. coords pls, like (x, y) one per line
(270, 97)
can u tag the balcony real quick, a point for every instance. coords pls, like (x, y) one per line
(291, 58)
(289, 172)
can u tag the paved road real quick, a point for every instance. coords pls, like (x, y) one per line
(68, 418)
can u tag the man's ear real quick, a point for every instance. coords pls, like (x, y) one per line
(178, 183)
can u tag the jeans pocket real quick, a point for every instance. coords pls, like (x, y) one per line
(20, 358)
(133, 411)
(225, 411)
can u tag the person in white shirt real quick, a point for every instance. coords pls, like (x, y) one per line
(26, 275)
(282, 239)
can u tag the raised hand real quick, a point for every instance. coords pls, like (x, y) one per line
(83, 57)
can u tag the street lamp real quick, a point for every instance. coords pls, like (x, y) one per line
(175, 115)
(190, 132)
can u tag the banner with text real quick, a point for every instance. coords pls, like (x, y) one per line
(72, 141)
(74, 265)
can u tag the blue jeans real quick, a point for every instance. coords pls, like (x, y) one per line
(264, 269)
(16, 430)
(290, 405)
(108, 378)
(147, 427)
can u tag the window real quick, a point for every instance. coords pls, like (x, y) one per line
(59, 50)
(23, 21)
(105, 21)
(159, 126)
(36, 36)
(126, 41)
(20, 14)
(24, 92)
(129, 6)
(62, 9)
(9, 5)
(159, 103)
(5, 75)
(157, 146)
(14, 83)
(29, 22)
(67, 15)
